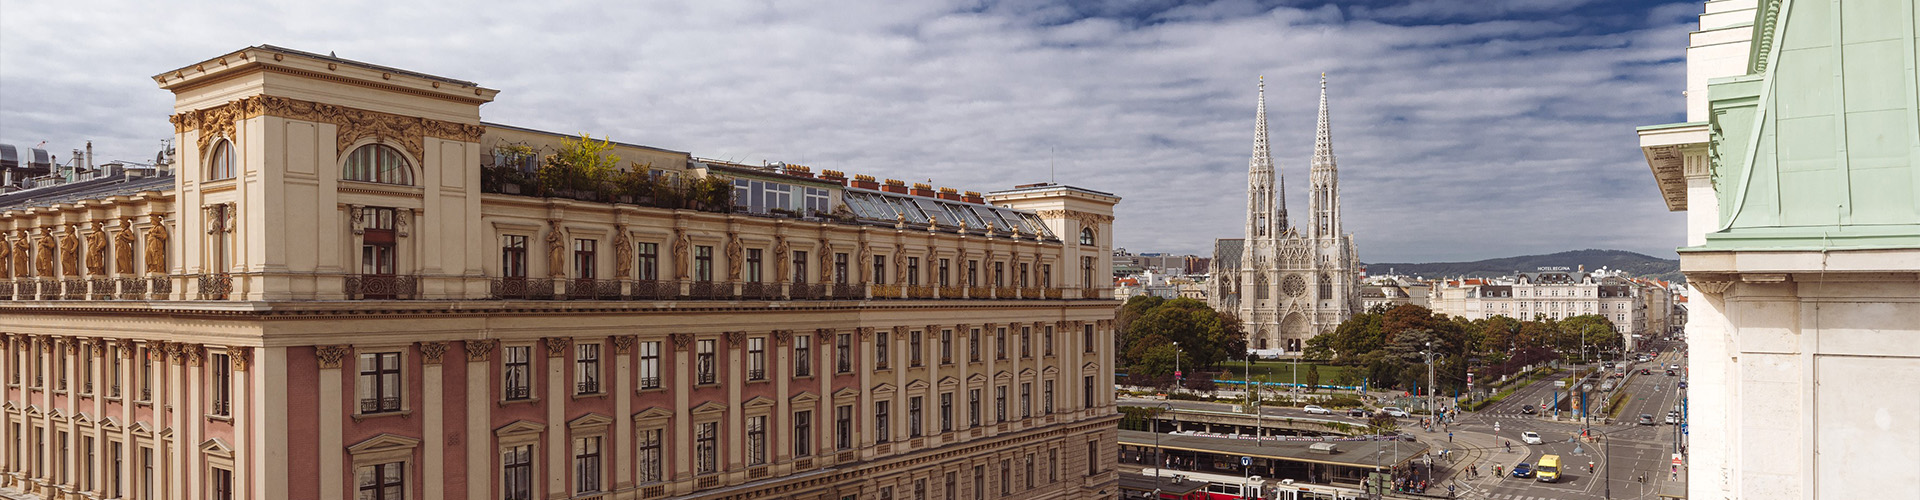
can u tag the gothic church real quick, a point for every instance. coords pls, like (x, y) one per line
(1288, 283)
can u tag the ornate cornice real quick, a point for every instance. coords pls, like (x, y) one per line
(331, 355)
(353, 124)
(480, 350)
(432, 352)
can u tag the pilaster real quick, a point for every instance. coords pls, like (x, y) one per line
(332, 446)
(433, 433)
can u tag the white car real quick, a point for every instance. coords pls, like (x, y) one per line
(1531, 437)
(1395, 412)
(1316, 410)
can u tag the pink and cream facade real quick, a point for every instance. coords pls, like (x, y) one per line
(331, 302)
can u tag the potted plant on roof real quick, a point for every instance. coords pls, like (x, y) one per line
(634, 185)
(579, 169)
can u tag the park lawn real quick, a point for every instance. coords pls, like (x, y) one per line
(1282, 372)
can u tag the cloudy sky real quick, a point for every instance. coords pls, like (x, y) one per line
(1465, 129)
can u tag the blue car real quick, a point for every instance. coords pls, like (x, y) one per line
(1522, 469)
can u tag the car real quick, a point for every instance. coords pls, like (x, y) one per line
(1671, 373)
(1522, 469)
(1673, 417)
(1646, 419)
(1644, 371)
(1528, 409)
(1358, 412)
(1531, 437)
(1395, 412)
(1683, 383)
(1316, 410)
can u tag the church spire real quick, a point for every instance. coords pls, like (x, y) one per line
(1265, 218)
(1324, 193)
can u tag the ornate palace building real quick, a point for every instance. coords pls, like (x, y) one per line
(351, 287)
(1287, 286)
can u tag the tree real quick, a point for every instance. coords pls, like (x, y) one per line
(1382, 424)
(1595, 330)
(1313, 377)
(1209, 337)
(579, 164)
(1155, 360)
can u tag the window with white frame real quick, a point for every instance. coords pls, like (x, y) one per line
(802, 433)
(880, 350)
(586, 362)
(649, 460)
(706, 370)
(946, 347)
(220, 387)
(380, 382)
(378, 163)
(219, 483)
(843, 427)
(1000, 403)
(802, 356)
(516, 373)
(973, 407)
(914, 416)
(1046, 399)
(946, 412)
(220, 166)
(881, 421)
(649, 364)
(706, 447)
(387, 481)
(914, 348)
(516, 472)
(756, 358)
(1026, 399)
(649, 265)
(843, 353)
(586, 465)
(757, 440)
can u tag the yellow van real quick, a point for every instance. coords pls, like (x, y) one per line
(1548, 470)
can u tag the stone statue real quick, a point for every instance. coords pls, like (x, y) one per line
(556, 251)
(681, 245)
(156, 244)
(900, 264)
(866, 256)
(780, 250)
(70, 252)
(734, 258)
(97, 250)
(43, 254)
(622, 253)
(6, 257)
(21, 255)
(826, 262)
(123, 247)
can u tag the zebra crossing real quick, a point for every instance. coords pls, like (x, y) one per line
(1511, 496)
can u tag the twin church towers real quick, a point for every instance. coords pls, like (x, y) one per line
(1288, 282)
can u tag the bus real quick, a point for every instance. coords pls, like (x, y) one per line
(1548, 470)
(1228, 487)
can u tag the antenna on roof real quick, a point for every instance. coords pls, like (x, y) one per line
(1049, 164)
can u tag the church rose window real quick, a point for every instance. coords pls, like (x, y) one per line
(1293, 285)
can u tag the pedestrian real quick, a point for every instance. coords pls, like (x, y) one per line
(1449, 436)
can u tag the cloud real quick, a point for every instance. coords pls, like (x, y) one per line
(1461, 134)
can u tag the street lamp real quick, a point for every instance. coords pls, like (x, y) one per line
(1586, 413)
(1157, 463)
(1176, 368)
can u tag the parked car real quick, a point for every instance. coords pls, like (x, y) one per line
(1683, 383)
(1673, 417)
(1359, 412)
(1522, 469)
(1531, 437)
(1316, 410)
(1646, 419)
(1395, 412)
(1644, 371)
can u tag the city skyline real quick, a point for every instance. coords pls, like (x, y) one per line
(1147, 100)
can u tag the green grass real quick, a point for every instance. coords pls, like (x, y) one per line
(1282, 372)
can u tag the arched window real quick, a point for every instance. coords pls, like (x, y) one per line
(1326, 287)
(1086, 236)
(378, 163)
(220, 165)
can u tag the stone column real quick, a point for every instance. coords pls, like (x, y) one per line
(192, 418)
(479, 438)
(433, 436)
(558, 442)
(681, 441)
(734, 375)
(332, 449)
(622, 412)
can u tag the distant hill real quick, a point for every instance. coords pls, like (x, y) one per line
(1639, 265)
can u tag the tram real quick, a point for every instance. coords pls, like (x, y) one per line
(1228, 487)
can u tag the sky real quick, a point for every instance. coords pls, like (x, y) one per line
(1464, 129)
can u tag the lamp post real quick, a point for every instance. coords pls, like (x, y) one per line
(1586, 413)
(1176, 368)
(1157, 463)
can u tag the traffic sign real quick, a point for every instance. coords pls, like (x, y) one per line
(1676, 459)
(1246, 461)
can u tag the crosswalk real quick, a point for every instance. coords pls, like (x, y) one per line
(1510, 496)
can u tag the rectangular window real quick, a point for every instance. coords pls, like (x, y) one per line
(1087, 333)
(1006, 476)
(912, 271)
(946, 347)
(113, 373)
(650, 364)
(952, 485)
(583, 258)
(756, 358)
(999, 274)
(513, 256)
(802, 433)
(753, 265)
(147, 479)
(756, 440)
(979, 482)
(376, 249)
(59, 369)
(1026, 399)
(1086, 391)
(586, 465)
(516, 372)
(973, 346)
(649, 459)
(1029, 474)
(880, 350)
(382, 482)
(1023, 276)
(703, 263)
(799, 267)
(706, 447)
(145, 376)
(380, 382)
(1026, 342)
(881, 421)
(516, 473)
(86, 372)
(1086, 272)
(843, 353)
(1046, 275)
(946, 267)
(1000, 403)
(802, 355)
(1000, 343)
(1046, 342)
(914, 348)
(649, 265)
(886, 493)
(1053, 465)
(913, 416)
(220, 485)
(879, 269)
(973, 273)
(1093, 457)
(586, 361)
(946, 412)
(973, 407)
(920, 489)
(843, 427)
(221, 386)
(840, 268)
(706, 370)
(1046, 399)
(116, 463)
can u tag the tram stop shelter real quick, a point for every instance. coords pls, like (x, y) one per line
(1343, 462)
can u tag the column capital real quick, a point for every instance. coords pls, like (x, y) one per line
(623, 344)
(556, 346)
(331, 355)
(479, 349)
(432, 352)
(241, 358)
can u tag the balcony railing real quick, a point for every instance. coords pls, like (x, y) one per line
(847, 291)
(587, 387)
(215, 286)
(953, 292)
(100, 288)
(75, 290)
(516, 393)
(807, 291)
(592, 289)
(6, 289)
(710, 290)
(886, 291)
(379, 405)
(649, 382)
(521, 288)
(759, 291)
(381, 286)
(131, 288)
(920, 291)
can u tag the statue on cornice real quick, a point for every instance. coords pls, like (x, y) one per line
(43, 254)
(70, 252)
(826, 262)
(156, 243)
(123, 247)
(866, 256)
(556, 251)
(681, 244)
(622, 253)
(6, 257)
(734, 258)
(97, 250)
(780, 251)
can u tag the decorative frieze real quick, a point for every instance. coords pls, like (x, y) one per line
(352, 124)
